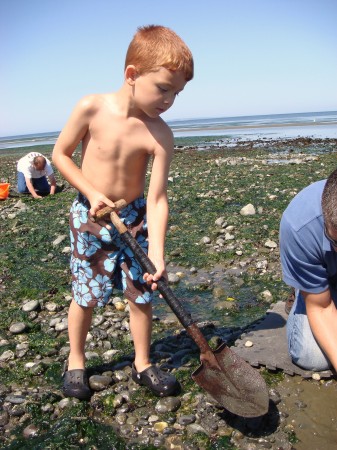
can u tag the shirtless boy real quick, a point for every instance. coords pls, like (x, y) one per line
(119, 133)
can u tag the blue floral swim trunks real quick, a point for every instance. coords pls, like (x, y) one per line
(101, 261)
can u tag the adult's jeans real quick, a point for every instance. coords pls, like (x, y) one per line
(41, 184)
(303, 347)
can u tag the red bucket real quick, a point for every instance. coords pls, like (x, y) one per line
(4, 190)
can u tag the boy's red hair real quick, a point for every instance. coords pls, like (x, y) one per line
(155, 46)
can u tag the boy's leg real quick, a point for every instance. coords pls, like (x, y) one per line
(143, 372)
(75, 378)
(303, 347)
(79, 321)
(89, 289)
(141, 329)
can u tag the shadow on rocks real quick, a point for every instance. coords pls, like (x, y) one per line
(257, 426)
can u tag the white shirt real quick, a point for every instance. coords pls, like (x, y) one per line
(26, 166)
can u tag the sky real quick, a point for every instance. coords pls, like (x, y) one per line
(251, 57)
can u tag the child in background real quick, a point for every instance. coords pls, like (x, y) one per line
(119, 133)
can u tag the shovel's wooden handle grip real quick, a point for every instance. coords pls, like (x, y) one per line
(104, 213)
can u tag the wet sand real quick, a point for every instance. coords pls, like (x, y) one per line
(312, 407)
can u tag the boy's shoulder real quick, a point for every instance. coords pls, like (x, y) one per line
(93, 102)
(160, 129)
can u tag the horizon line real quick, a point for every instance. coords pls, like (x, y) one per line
(189, 118)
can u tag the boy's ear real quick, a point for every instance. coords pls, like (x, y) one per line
(131, 75)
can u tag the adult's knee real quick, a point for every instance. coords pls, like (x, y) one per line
(307, 354)
(315, 361)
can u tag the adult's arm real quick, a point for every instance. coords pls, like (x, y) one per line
(322, 316)
(30, 187)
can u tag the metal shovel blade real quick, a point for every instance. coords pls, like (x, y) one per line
(232, 382)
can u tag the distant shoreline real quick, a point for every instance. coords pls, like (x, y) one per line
(246, 127)
(287, 128)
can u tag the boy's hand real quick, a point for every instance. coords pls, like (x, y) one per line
(152, 278)
(97, 203)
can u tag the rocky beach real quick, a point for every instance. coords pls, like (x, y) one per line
(226, 199)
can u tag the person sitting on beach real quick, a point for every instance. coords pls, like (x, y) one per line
(120, 132)
(33, 170)
(308, 249)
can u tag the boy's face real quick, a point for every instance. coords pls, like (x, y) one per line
(155, 92)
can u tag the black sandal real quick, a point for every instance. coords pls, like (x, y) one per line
(160, 383)
(76, 384)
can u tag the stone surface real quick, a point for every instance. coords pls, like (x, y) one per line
(270, 344)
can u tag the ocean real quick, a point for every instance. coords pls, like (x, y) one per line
(273, 126)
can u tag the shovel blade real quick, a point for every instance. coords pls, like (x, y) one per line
(233, 383)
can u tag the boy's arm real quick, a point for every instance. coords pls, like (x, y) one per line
(71, 135)
(157, 207)
(322, 316)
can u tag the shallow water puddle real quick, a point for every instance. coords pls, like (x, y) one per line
(312, 409)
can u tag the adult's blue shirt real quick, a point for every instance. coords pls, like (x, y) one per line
(309, 262)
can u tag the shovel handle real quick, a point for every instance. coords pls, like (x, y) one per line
(147, 265)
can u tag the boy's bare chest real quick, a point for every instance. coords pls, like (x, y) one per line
(121, 136)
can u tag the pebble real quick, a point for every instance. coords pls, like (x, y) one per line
(316, 376)
(109, 354)
(168, 404)
(229, 237)
(249, 344)
(275, 396)
(270, 244)
(30, 306)
(173, 278)
(267, 296)
(159, 427)
(15, 399)
(248, 210)
(221, 222)
(51, 307)
(18, 327)
(30, 431)
(4, 418)
(99, 382)
(186, 419)
(7, 355)
(62, 326)
(59, 239)
(120, 306)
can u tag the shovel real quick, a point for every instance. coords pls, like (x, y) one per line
(232, 382)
